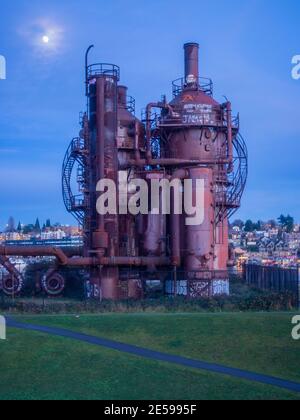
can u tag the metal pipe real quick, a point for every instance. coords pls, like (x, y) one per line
(135, 261)
(175, 237)
(100, 140)
(10, 267)
(83, 262)
(175, 162)
(148, 131)
(87, 71)
(229, 136)
(191, 60)
(119, 261)
(35, 251)
(40, 251)
(150, 106)
(175, 222)
(136, 141)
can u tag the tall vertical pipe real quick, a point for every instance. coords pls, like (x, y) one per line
(155, 233)
(110, 275)
(229, 136)
(104, 164)
(87, 74)
(191, 60)
(100, 147)
(176, 239)
(179, 174)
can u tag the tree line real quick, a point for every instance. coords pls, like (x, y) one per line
(284, 223)
(36, 227)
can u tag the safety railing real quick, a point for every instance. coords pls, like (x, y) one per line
(130, 105)
(100, 69)
(203, 84)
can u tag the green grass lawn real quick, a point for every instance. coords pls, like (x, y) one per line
(37, 366)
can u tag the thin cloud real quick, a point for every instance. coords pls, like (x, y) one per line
(40, 29)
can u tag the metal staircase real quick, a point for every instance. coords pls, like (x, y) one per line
(76, 155)
(229, 200)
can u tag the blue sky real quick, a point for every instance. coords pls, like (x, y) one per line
(246, 48)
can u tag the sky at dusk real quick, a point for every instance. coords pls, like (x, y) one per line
(246, 47)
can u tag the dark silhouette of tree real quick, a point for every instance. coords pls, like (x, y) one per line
(290, 223)
(37, 226)
(272, 223)
(249, 226)
(239, 223)
(28, 229)
(258, 225)
(286, 223)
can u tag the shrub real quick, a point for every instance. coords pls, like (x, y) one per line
(242, 298)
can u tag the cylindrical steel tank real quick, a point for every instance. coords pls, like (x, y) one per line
(103, 153)
(155, 233)
(196, 128)
(199, 260)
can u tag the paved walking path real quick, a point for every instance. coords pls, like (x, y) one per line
(155, 355)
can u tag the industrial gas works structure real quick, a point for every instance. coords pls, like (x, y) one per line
(192, 137)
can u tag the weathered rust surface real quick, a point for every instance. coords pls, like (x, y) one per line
(194, 137)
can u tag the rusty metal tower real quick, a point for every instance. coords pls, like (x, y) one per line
(191, 137)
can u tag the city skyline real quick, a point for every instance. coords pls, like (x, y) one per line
(44, 48)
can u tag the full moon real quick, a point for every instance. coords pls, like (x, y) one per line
(46, 39)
